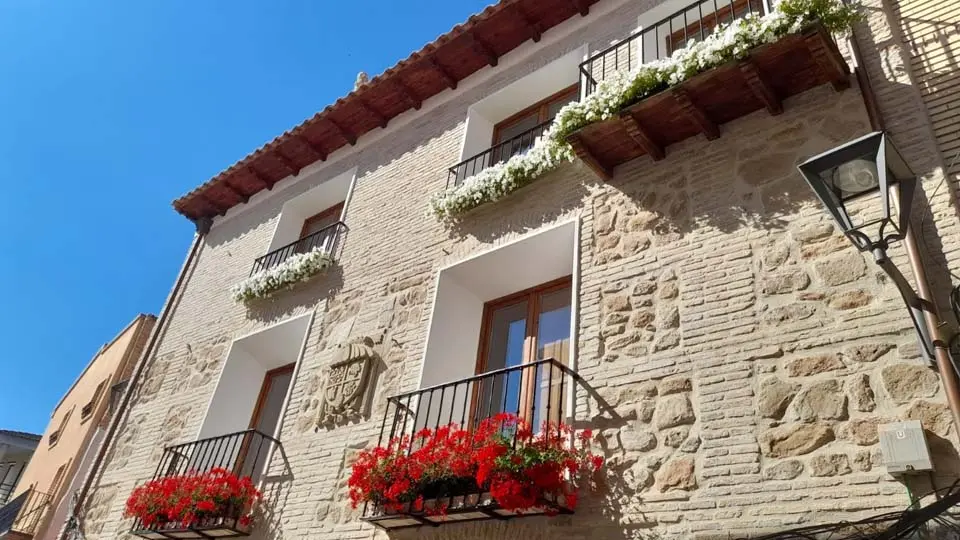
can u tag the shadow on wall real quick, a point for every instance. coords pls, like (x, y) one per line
(268, 521)
(600, 514)
(932, 63)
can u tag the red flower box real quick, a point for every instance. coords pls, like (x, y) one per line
(500, 469)
(218, 503)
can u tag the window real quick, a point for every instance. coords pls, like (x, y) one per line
(57, 482)
(534, 115)
(707, 20)
(520, 329)
(55, 436)
(321, 221)
(87, 409)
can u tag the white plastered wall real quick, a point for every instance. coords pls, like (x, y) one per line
(517, 96)
(249, 359)
(300, 208)
(463, 288)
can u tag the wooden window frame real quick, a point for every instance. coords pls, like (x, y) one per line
(532, 296)
(265, 390)
(337, 209)
(265, 386)
(541, 107)
(59, 479)
(87, 411)
(55, 436)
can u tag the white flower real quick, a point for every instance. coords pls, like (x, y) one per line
(727, 42)
(297, 268)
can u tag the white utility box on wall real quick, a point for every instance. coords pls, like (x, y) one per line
(904, 447)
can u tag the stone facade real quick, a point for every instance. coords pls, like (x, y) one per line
(740, 353)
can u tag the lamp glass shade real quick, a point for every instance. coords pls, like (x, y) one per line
(855, 178)
(858, 169)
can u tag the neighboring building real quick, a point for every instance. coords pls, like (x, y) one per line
(40, 504)
(16, 448)
(733, 352)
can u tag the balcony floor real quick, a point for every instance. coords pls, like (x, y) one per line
(701, 104)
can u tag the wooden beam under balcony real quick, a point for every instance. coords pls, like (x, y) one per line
(586, 155)
(701, 104)
(641, 136)
(760, 86)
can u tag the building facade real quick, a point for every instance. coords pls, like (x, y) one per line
(732, 352)
(16, 449)
(41, 503)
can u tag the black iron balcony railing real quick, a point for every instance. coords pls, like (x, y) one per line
(24, 514)
(498, 153)
(536, 392)
(326, 239)
(6, 490)
(694, 22)
(244, 453)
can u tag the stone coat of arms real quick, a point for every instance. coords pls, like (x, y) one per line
(346, 382)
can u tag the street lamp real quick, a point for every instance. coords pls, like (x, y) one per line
(871, 168)
(868, 166)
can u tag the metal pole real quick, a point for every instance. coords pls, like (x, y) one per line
(941, 352)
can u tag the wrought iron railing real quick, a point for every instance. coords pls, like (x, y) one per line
(326, 239)
(537, 392)
(6, 490)
(497, 153)
(244, 453)
(660, 40)
(25, 513)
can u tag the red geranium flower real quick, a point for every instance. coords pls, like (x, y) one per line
(521, 469)
(184, 499)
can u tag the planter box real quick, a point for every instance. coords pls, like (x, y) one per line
(459, 508)
(223, 527)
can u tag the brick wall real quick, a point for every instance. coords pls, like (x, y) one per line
(747, 350)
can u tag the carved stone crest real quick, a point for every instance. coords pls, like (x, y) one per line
(346, 382)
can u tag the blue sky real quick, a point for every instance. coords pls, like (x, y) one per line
(110, 110)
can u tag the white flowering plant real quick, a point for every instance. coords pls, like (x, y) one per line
(728, 42)
(293, 270)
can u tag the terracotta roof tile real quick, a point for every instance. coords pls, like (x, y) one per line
(385, 96)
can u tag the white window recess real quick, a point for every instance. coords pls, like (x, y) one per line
(252, 393)
(299, 209)
(537, 86)
(463, 289)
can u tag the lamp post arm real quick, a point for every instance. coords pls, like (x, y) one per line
(916, 306)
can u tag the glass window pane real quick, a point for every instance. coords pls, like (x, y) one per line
(555, 107)
(505, 348)
(553, 326)
(518, 126)
(553, 341)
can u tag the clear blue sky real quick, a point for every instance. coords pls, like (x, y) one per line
(110, 110)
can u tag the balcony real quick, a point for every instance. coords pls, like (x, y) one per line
(536, 392)
(498, 153)
(245, 454)
(23, 516)
(700, 105)
(6, 490)
(660, 40)
(326, 240)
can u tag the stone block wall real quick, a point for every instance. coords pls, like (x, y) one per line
(738, 352)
